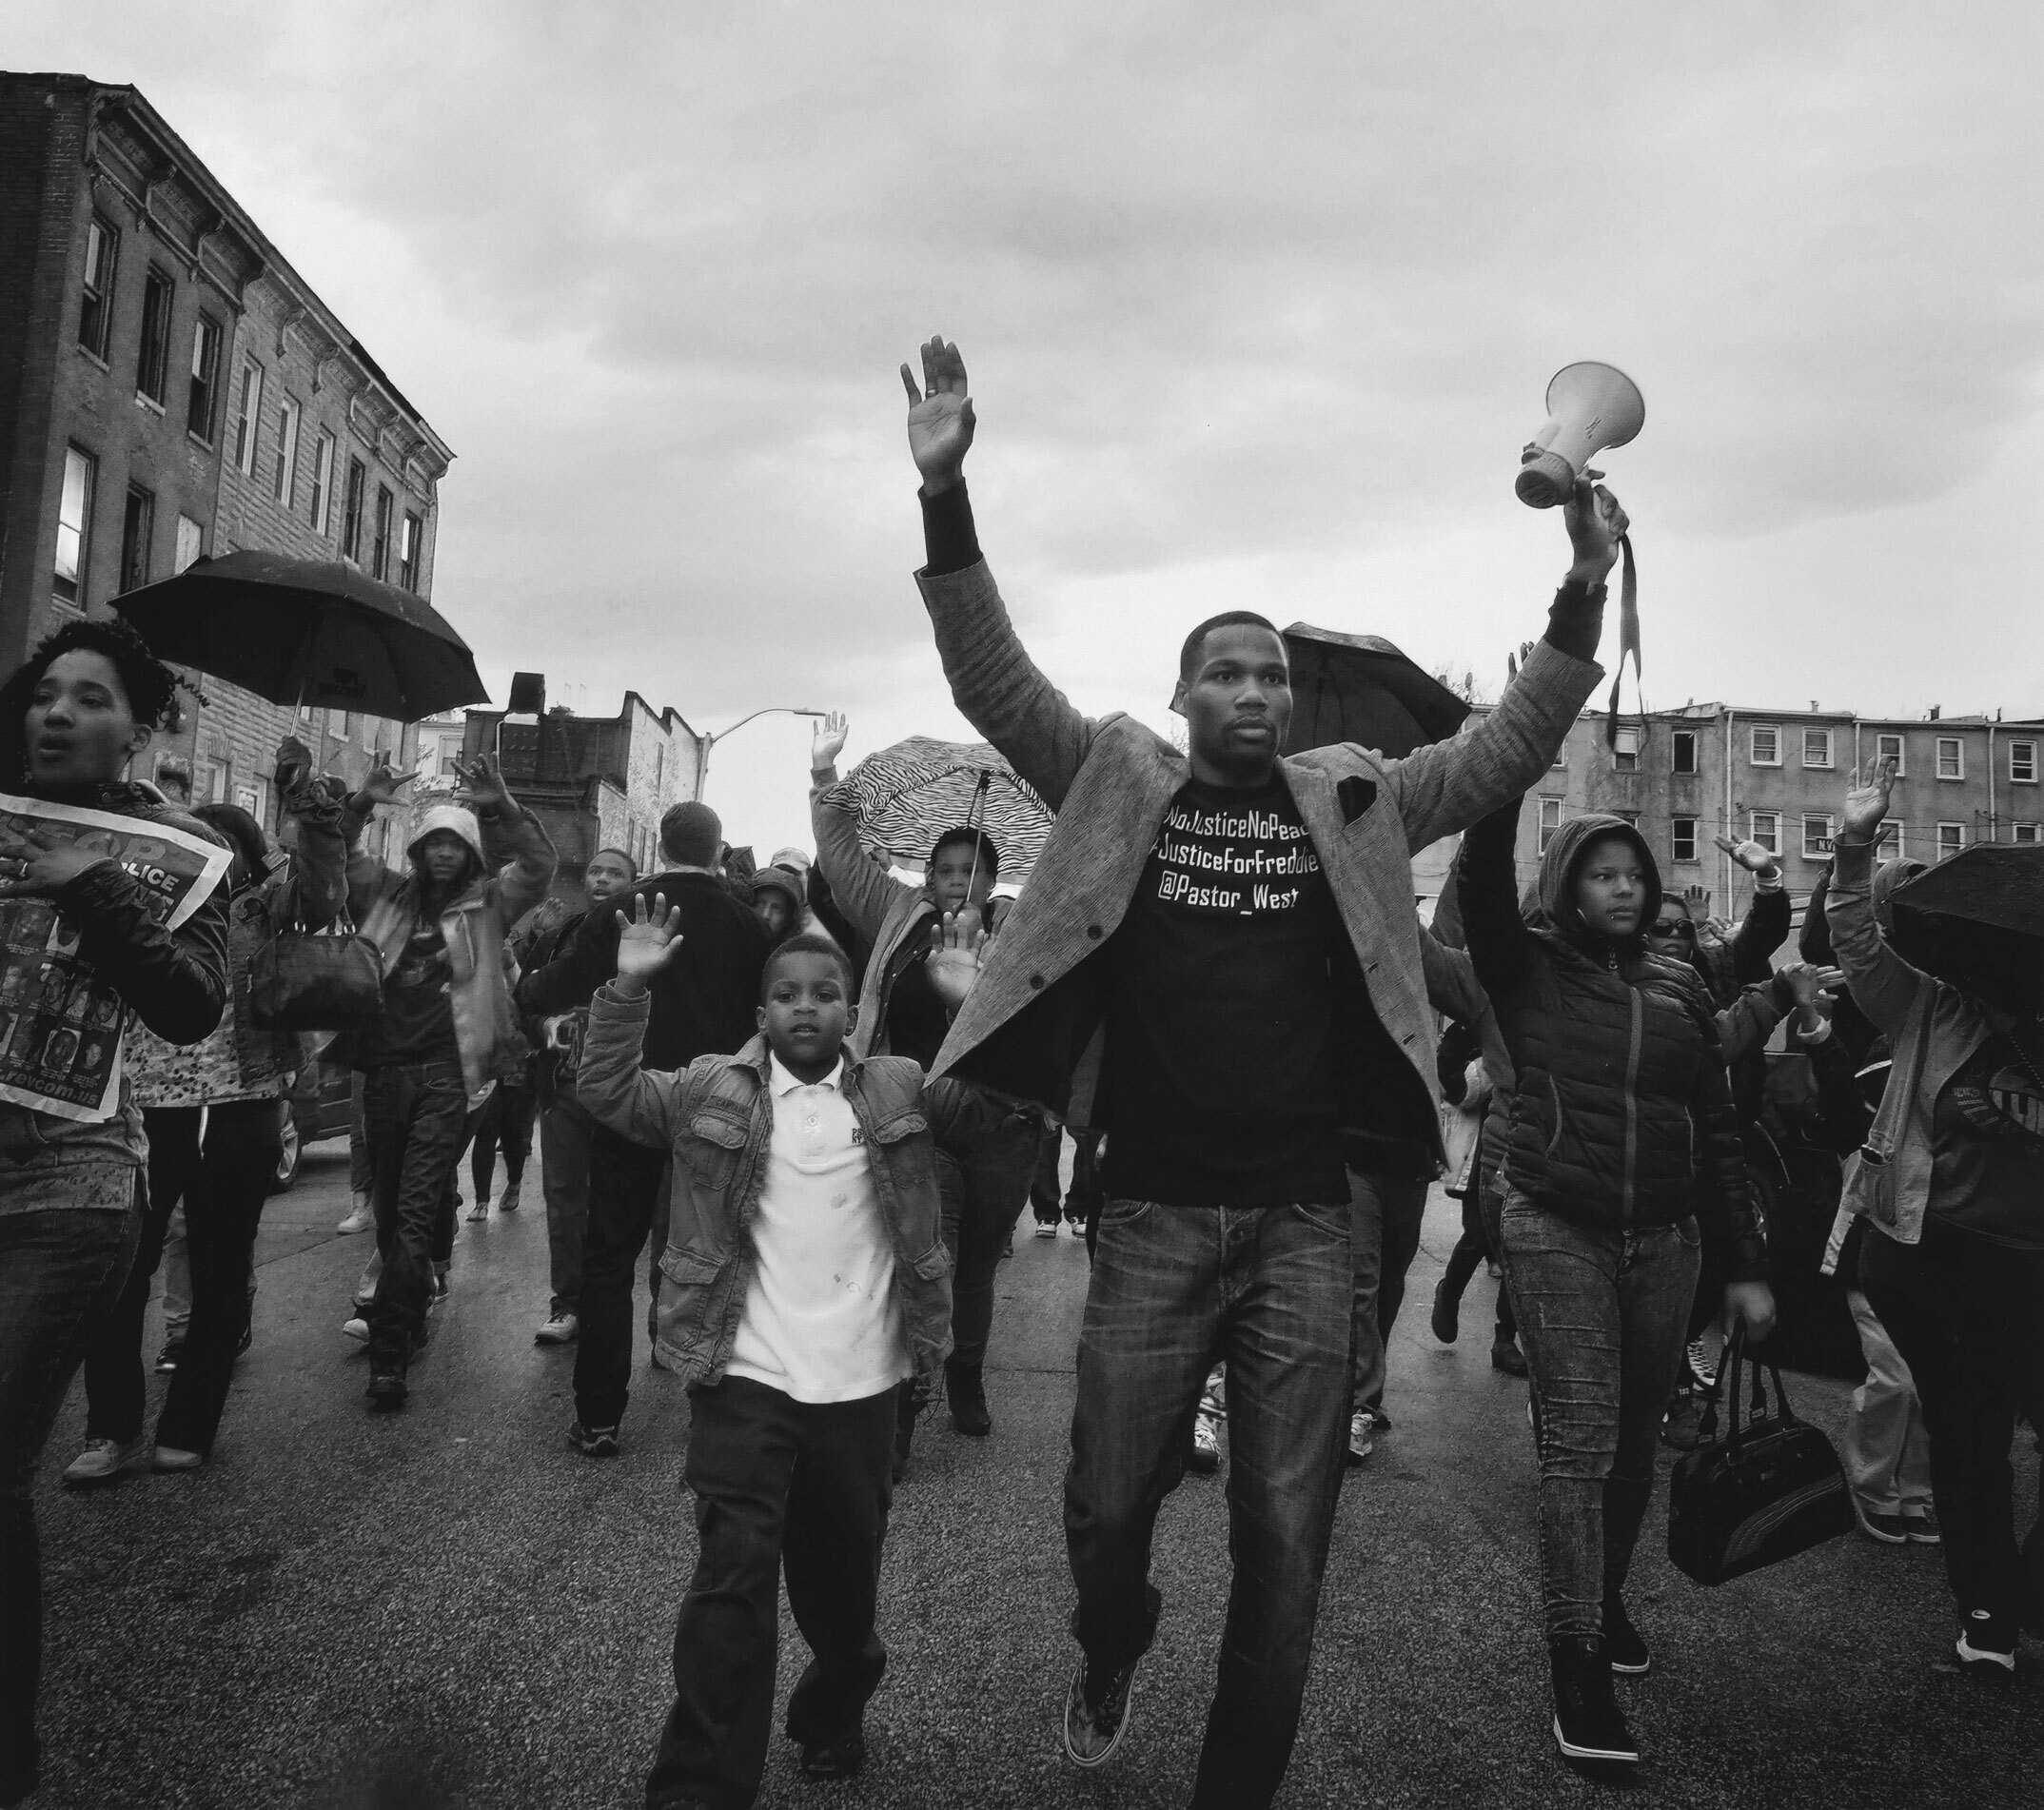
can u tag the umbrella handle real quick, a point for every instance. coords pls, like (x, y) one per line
(974, 818)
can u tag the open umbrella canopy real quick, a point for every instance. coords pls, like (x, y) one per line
(1361, 688)
(907, 795)
(1978, 919)
(308, 631)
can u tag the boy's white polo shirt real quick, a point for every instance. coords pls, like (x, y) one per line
(820, 1322)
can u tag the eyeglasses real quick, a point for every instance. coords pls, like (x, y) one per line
(1672, 927)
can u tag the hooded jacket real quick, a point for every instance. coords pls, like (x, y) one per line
(1621, 1104)
(474, 922)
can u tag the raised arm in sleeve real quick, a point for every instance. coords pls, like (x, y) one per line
(864, 890)
(1765, 929)
(612, 1084)
(1884, 986)
(1486, 882)
(524, 880)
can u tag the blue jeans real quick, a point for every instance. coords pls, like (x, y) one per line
(414, 1115)
(1604, 1317)
(61, 1269)
(1172, 1290)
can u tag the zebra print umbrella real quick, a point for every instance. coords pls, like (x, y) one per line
(907, 795)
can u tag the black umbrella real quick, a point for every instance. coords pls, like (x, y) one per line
(1978, 919)
(307, 632)
(1361, 688)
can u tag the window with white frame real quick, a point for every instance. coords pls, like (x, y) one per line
(1685, 751)
(1684, 836)
(1891, 748)
(287, 478)
(1764, 827)
(1763, 745)
(1816, 748)
(1817, 836)
(75, 527)
(1625, 748)
(2026, 832)
(1550, 821)
(1891, 839)
(1951, 838)
(1951, 757)
(322, 482)
(248, 416)
(2023, 763)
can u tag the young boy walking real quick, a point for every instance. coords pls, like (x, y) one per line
(804, 1283)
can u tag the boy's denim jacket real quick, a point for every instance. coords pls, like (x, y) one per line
(714, 1118)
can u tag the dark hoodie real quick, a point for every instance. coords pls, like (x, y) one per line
(1622, 1107)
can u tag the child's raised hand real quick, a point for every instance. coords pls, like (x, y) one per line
(647, 941)
(953, 961)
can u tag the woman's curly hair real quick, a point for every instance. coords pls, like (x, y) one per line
(150, 685)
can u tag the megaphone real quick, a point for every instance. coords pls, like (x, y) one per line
(1589, 406)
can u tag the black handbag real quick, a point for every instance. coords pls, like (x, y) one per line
(303, 979)
(1769, 1490)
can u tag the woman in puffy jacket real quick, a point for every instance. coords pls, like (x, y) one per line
(236, 1079)
(85, 703)
(1620, 1095)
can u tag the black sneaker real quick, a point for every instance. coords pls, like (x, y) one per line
(1683, 1426)
(1446, 1321)
(167, 1360)
(1987, 1643)
(1622, 1645)
(1096, 1714)
(1506, 1356)
(1588, 1725)
(839, 1758)
(387, 1391)
(593, 1441)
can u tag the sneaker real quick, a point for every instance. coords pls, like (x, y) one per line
(1890, 1530)
(437, 1293)
(965, 1393)
(1588, 1724)
(1447, 1321)
(1046, 1228)
(1096, 1719)
(1681, 1426)
(1986, 1641)
(508, 1203)
(166, 1359)
(387, 1391)
(1204, 1457)
(479, 1210)
(1362, 1435)
(103, 1460)
(355, 1327)
(1506, 1356)
(593, 1441)
(361, 1216)
(839, 1758)
(175, 1458)
(1922, 1524)
(560, 1330)
(1622, 1645)
(1703, 1366)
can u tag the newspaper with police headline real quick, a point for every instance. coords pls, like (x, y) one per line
(61, 1025)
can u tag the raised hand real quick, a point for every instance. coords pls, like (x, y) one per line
(1866, 802)
(1805, 980)
(1718, 931)
(952, 964)
(827, 741)
(383, 784)
(483, 787)
(940, 416)
(41, 863)
(1595, 522)
(646, 940)
(1697, 899)
(1750, 856)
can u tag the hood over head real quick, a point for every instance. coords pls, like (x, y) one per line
(1556, 885)
(458, 818)
(1887, 878)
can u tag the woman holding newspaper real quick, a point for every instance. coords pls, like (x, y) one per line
(84, 932)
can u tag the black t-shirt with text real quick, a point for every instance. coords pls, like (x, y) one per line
(1219, 1086)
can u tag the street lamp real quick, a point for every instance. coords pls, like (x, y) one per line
(707, 742)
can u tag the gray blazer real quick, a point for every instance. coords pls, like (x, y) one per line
(1031, 1022)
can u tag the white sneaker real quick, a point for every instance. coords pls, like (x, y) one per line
(1205, 1456)
(361, 1217)
(479, 1210)
(356, 1328)
(1046, 1228)
(1362, 1435)
(103, 1460)
(560, 1330)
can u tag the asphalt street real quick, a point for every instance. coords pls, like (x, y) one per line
(451, 1607)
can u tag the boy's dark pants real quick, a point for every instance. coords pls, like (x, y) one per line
(626, 1201)
(777, 1483)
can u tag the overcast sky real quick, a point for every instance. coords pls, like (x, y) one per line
(1259, 306)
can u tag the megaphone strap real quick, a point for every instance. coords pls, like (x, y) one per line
(1628, 635)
